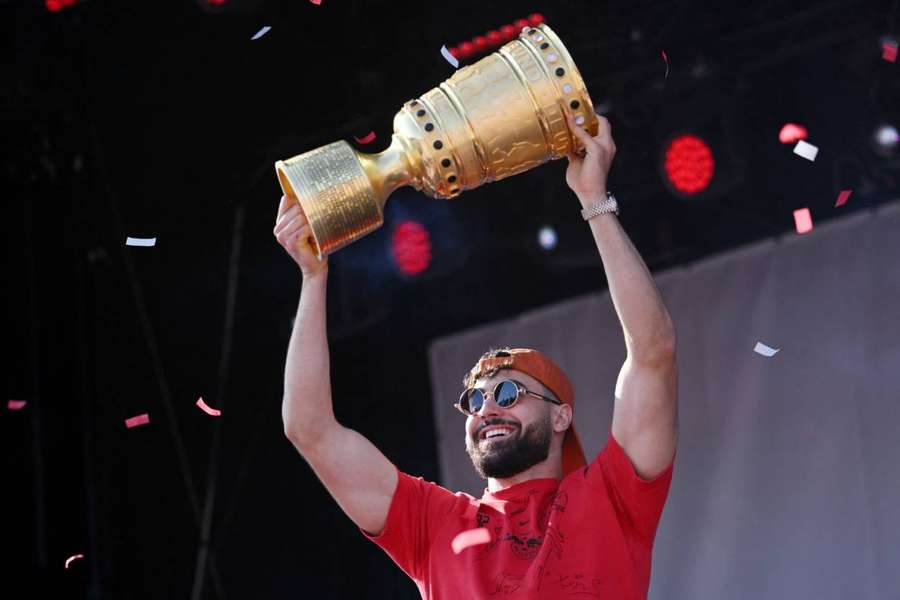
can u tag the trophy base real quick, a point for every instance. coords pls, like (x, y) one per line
(335, 194)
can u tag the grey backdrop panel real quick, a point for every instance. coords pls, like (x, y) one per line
(787, 482)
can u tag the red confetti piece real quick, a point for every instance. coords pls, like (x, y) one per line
(369, 137)
(73, 557)
(472, 537)
(15, 404)
(803, 220)
(889, 52)
(316, 2)
(843, 197)
(791, 132)
(137, 421)
(215, 412)
(666, 58)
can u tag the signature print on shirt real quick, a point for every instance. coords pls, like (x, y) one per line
(524, 535)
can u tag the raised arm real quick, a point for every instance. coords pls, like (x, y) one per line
(353, 470)
(645, 412)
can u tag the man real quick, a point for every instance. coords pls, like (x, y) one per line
(549, 525)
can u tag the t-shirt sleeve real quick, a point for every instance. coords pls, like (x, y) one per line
(417, 508)
(638, 502)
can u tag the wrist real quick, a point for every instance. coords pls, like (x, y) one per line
(587, 199)
(317, 275)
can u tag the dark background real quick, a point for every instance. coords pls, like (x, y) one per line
(164, 120)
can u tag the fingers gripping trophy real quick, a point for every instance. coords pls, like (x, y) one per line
(500, 116)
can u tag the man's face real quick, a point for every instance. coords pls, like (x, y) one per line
(527, 427)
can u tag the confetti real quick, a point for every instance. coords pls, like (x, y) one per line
(807, 151)
(73, 557)
(15, 404)
(843, 197)
(208, 409)
(803, 220)
(791, 132)
(143, 242)
(889, 52)
(765, 350)
(666, 58)
(472, 537)
(369, 137)
(261, 32)
(137, 421)
(450, 58)
(316, 2)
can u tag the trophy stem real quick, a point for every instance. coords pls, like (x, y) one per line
(389, 169)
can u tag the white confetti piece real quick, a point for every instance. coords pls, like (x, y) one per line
(472, 537)
(765, 350)
(806, 150)
(143, 242)
(261, 32)
(73, 557)
(450, 58)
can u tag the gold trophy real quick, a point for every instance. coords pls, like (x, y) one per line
(500, 116)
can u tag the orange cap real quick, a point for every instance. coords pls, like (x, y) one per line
(548, 373)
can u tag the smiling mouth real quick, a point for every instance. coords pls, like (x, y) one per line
(496, 434)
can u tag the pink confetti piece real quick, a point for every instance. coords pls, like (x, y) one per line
(765, 350)
(472, 537)
(843, 197)
(215, 412)
(791, 132)
(143, 242)
(316, 2)
(666, 58)
(73, 557)
(261, 32)
(16, 404)
(803, 220)
(806, 150)
(369, 137)
(137, 421)
(889, 52)
(450, 58)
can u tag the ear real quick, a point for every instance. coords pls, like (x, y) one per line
(562, 418)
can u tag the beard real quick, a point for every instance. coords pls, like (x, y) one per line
(511, 455)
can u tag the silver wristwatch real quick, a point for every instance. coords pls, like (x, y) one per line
(608, 205)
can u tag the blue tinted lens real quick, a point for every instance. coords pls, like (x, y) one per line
(505, 394)
(475, 400)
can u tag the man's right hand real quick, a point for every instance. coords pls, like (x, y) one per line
(294, 234)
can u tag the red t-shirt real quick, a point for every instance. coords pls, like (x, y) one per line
(589, 535)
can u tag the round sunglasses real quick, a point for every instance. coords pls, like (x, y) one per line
(506, 393)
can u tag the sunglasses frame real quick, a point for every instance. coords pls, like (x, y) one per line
(521, 390)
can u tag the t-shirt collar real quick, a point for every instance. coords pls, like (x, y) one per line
(521, 489)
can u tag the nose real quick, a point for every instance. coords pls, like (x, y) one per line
(489, 407)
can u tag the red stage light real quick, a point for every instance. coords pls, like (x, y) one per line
(411, 247)
(535, 19)
(494, 38)
(508, 33)
(689, 164)
(53, 5)
(466, 49)
(521, 24)
(481, 43)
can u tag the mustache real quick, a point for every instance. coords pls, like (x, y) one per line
(494, 422)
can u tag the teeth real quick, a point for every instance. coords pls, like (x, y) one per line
(495, 433)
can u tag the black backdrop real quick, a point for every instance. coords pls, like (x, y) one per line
(143, 120)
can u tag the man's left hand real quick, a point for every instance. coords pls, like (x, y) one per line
(587, 176)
